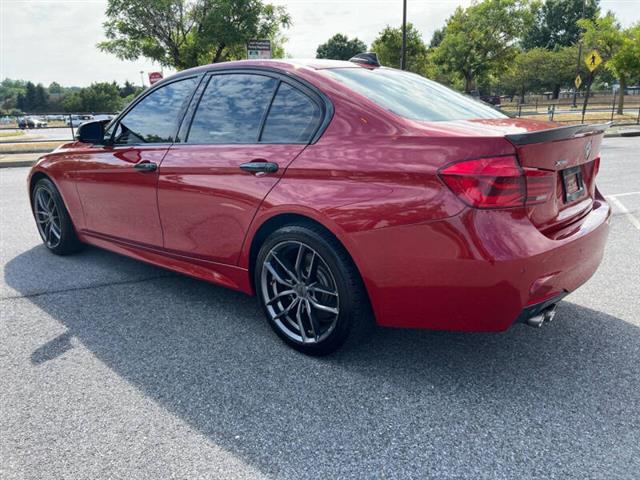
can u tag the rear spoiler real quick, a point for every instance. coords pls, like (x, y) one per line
(560, 133)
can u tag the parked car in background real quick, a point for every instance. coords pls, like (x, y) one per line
(338, 193)
(491, 99)
(31, 122)
(104, 117)
(77, 120)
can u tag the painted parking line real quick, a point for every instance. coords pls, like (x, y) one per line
(626, 213)
(623, 194)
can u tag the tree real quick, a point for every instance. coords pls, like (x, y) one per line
(625, 63)
(437, 37)
(128, 89)
(388, 46)
(540, 70)
(54, 88)
(29, 98)
(339, 47)
(98, 97)
(604, 35)
(554, 23)
(41, 99)
(480, 40)
(183, 33)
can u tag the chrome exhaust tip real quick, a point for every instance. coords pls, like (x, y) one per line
(546, 316)
(536, 321)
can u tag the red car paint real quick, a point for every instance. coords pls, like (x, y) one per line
(427, 259)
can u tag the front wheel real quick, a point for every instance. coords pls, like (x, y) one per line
(310, 289)
(53, 220)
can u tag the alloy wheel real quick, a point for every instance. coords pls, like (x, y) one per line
(47, 217)
(300, 292)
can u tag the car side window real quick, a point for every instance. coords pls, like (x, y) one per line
(155, 118)
(293, 117)
(231, 109)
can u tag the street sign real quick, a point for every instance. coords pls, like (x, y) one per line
(593, 60)
(578, 81)
(154, 77)
(258, 49)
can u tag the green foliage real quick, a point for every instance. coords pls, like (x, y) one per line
(625, 62)
(183, 34)
(340, 47)
(619, 49)
(98, 97)
(388, 46)
(554, 23)
(479, 41)
(437, 37)
(540, 70)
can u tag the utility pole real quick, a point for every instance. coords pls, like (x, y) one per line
(575, 89)
(142, 78)
(403, 53)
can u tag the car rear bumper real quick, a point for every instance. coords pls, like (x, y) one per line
(476, 271)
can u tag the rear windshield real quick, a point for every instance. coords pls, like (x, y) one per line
(412, 96)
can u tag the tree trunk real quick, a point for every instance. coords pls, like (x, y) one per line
(467, 83)
(522, 92)
(586, 94)
(623, 86)
(556, 92)
(216, 57)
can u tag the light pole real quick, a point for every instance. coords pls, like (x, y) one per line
(403, 52)
(575, 89)
(142, 78)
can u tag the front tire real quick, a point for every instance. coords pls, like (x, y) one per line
(310, 290)
(53, 220)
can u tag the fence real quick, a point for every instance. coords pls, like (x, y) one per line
(38, 120)
(601, 108)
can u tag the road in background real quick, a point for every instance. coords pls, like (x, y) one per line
(43, 134)
(114, 368)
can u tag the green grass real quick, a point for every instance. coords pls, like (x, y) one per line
(11, 133)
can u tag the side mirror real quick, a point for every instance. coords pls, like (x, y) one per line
(91, 132)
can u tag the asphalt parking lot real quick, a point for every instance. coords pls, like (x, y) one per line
(110, 368)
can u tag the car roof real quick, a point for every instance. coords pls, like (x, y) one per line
(286, 64)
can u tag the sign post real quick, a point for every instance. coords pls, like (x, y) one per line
(154, 77)
(258, 49)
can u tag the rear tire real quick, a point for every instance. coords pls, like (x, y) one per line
(53, 220)
(310, 290)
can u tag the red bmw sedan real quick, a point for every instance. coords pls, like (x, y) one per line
(339, 193)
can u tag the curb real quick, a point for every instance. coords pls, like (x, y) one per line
(623, 134)
(17, 163)
(32, 150)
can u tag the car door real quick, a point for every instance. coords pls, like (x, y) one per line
(117, 181)
(247, 127)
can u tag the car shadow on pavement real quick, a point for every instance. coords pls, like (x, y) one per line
(403, 403)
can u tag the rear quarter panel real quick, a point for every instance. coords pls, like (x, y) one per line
(371, 172)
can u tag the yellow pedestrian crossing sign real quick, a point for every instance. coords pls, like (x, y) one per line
(578, 81)
(593, 60)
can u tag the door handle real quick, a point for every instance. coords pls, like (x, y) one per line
(259, 167)
(146, 166)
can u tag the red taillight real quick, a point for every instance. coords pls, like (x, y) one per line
(596, 166)
(498, 182)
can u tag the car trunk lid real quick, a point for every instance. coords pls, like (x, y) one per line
(567, 154)
(572, 153)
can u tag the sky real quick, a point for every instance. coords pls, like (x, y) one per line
(55, 40)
